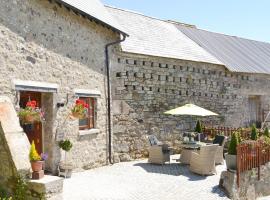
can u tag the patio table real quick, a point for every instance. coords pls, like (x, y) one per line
(187, 150)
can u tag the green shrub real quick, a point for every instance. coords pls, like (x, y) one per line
(266, 132)
(198, 127)
(21, 188)
(33, 155)
(254, 133)
(239, 137)
(66, 145)
(233, 144)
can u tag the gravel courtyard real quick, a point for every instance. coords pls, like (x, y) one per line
(142, 181)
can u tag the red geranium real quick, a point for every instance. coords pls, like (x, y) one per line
(31, 113)
(31, 104)
(80, 108)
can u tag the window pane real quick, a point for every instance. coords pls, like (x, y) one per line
(83, 122)
(90, 121)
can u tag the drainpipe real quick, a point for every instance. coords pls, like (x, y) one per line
(107, 60)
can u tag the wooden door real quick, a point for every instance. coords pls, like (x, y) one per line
(33, 132)
(254, 110)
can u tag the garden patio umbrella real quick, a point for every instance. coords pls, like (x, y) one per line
(190, 109)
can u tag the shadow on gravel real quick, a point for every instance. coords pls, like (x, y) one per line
(217, 190)
(173, 169)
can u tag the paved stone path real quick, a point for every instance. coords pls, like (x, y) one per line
(139, 180)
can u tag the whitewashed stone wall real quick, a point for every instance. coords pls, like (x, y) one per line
(144, 87)
(41, 41)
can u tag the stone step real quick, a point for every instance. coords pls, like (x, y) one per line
(51, 187)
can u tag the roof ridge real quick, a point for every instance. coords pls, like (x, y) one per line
(181, 23)
(135, 12)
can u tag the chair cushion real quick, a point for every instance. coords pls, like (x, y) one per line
(202, 137)
(165, 148)
(153, 140)
(219, 139)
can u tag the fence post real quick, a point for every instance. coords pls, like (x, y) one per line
(259, 160)
(238, 165)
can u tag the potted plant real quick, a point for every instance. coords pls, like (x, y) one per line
(35, 159)
(30, 114)
(198, 127)
(80, 109)
(230, 157)
(65, 168)
(198, 130)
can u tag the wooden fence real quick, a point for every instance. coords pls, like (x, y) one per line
(227, 131)
(250, 155)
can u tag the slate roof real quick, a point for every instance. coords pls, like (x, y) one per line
(95, 10)
(237, 54)
(150, 36)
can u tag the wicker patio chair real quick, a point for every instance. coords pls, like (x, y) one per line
(159, 153)
(220, 140)
(204, 162)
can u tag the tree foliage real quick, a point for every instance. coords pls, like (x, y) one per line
(254, 133)
(266, 132)
(198, 127)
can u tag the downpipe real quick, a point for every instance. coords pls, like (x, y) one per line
(107, 62)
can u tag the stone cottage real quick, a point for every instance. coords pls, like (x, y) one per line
(53, 52)
(165, 64)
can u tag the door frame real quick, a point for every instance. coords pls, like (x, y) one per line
(41, 103)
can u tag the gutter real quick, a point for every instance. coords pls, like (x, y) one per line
(107, 62)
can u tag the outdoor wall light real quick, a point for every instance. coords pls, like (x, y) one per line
(60, 105)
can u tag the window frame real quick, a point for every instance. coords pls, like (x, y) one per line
(91, 114)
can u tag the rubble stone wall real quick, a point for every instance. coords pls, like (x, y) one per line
(41, 41)
(250, 187)
(144, 87)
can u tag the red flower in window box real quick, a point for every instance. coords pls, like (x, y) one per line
(80, 109)
(31, 113)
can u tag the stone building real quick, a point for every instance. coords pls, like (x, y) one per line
(165, 64)
(53, 52)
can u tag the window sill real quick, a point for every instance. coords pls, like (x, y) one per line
(89, 132)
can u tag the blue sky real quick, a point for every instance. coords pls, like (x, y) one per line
(244, 18)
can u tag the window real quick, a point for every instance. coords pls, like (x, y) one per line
(90, 120)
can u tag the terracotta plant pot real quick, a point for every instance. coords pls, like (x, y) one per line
(37, 165)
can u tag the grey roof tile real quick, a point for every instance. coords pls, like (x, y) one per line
(237, 54)
(150, 36)
(95, 10)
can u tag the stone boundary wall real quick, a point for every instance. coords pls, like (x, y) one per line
(145, 86)
(250, 187)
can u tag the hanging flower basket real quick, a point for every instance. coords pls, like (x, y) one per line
(80, 109)
(78, 115)
(31, 113)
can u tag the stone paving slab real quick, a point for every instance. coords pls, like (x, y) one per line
(142, 181)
